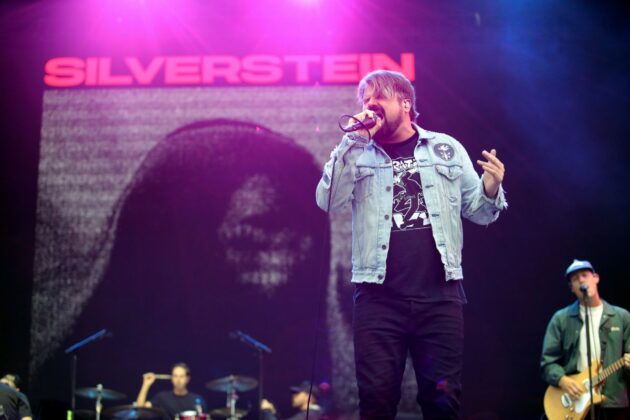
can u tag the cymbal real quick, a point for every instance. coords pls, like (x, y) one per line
(233, 382)
(106, 394)
(225, 412)
(132, 412)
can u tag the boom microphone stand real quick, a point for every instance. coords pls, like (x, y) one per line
(73, 349)
(261, 349)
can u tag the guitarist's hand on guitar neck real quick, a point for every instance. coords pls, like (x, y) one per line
(571, 387)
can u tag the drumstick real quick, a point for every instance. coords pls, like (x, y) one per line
(162, 376)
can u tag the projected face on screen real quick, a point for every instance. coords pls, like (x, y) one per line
(227, 200)
(257, 241)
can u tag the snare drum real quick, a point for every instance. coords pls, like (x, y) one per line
(191, 415)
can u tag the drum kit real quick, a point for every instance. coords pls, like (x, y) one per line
(231, 385)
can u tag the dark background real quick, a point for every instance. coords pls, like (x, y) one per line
(544, 82)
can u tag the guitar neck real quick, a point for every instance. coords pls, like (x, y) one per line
(609, 371)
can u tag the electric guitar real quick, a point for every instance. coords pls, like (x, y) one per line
(560, 406)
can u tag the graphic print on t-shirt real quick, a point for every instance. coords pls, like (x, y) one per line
(409, 211)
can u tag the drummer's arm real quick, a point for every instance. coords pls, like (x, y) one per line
(147, 381)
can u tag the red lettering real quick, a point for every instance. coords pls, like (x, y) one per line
(182, 70)
(144, 76)
(106, 78)
(340, 68)
(221, 66)
(91, 71)
(64, 72)
(261, 69)
(302, 62)
(406, 66)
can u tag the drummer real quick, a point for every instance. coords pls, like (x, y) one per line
(175, 401)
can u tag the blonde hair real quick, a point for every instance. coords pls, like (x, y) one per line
(389, 83)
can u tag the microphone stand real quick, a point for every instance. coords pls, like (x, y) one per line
(588, 351)
(261, 349)
(73, 349)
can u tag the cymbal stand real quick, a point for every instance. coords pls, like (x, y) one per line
(99, 407)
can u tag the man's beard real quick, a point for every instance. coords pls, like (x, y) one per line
(389, 127)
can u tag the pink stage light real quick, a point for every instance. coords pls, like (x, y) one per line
(307, 2)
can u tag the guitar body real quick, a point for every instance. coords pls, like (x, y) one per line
(559, 406)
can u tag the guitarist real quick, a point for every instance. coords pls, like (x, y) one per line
(564, 346)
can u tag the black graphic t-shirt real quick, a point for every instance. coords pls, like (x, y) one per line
(174, 404)
(414, 267)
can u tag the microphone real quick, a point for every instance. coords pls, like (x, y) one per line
(368, 123)
(583, 288)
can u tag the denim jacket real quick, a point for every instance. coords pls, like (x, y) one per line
(364, 177)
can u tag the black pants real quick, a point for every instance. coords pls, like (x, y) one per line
(386, 329)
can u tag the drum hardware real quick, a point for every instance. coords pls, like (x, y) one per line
(231, 385)
(134, 412)
(99, 393)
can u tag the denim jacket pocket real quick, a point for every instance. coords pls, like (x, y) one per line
(451, 176)
(363, 182)
(450, 172)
